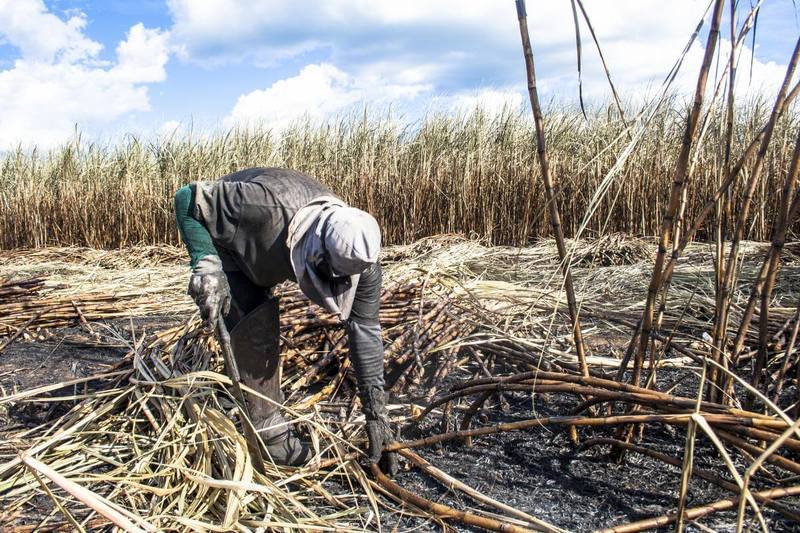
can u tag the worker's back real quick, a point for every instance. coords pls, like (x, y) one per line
(247, 214)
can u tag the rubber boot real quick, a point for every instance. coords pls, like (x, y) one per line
(255, 344)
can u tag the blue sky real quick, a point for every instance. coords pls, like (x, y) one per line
(155, 66)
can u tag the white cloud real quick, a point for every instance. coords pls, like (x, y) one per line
(453, 46)
(490, 101)
(299, 25)
(40, 35)
(170, 128)
(142, 56)
(60, 81)
(322, 91)
(318, 91)
(411, 55)
(766, 77)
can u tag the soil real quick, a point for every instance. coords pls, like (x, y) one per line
(537, 471)
(58, 356)
(541, 472)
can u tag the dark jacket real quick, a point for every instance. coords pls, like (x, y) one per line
(247, 214)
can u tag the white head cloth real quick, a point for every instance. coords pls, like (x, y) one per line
(347, 238)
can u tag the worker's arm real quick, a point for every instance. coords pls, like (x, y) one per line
(364, 329)
(366, 355)
(195, 236)
(208, 285)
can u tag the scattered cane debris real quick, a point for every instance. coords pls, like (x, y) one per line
(477, 347)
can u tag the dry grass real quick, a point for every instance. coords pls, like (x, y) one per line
(155, 440)
(470, 174)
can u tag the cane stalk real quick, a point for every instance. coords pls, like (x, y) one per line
(780, 230)
(549, 186)
(679, 180)
(723, 299)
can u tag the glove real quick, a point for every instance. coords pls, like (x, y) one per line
(379, 432)
(209, 289)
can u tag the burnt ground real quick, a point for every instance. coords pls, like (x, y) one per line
(538, 471)
(542, 473)
(63, 354)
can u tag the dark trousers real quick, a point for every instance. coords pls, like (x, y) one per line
(246, 296)
(363, 331)
(254, 325)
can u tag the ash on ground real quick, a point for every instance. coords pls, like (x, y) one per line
(539, 471)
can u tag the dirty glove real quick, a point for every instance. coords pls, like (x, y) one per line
(379, 432)
(209, 289)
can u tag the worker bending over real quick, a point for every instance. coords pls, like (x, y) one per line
(253, 229)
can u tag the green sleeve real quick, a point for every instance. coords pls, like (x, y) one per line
(195, 236)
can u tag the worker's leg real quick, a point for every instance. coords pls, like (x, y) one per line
(246, 296)
(255, 334)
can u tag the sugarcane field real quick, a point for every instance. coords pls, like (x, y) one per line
(450, 266)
